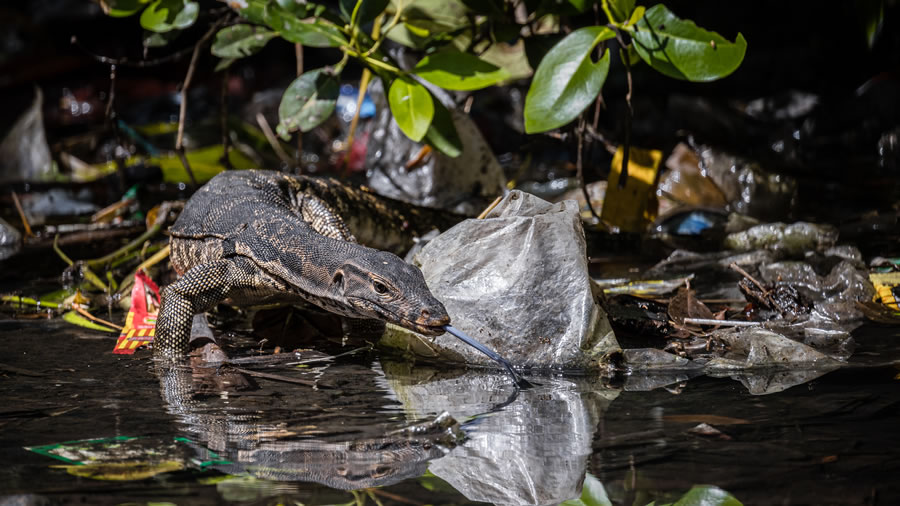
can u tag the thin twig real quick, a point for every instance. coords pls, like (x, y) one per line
(28, 232)
(91, 317)
(360, 98)
(223, 121)
(737, 268)
(273, 141)
(125, 62)
(579, 167)
(723, 323)
(597, 136)
(298, 55)
(623, 177)
(185, 86)
(489, 208)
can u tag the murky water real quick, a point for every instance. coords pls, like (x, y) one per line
(335, 432)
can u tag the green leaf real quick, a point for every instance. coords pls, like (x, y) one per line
(314, 33)
(707, 495)
(580, 5)
(368, 10)
(567, 80)
(299, 9)
(455, 70)
(76, 319)
(442, 134)
(412, 107)
(431, 17)
(239, 41)
(224, 63)
(592, 494)
(122, 8)
(307, 102)
(680, 49)
(155, 39)
(620, 9)
(252, 10)
(167, 15)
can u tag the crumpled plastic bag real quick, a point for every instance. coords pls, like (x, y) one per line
(834, 296)
(791, 239)
(518, 282)
(24, 152)
(438, 180)
(10, 240)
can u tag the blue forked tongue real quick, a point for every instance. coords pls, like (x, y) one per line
(520, 382)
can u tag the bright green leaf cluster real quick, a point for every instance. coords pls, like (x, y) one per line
(461, 41)
(568, 80)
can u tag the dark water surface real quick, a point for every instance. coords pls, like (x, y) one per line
(832, 440)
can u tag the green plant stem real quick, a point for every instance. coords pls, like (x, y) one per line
(629, 112)
(377, 33)
(15, 299)
(371, 61)
(86, 270)
(128, 248)
(612, 21)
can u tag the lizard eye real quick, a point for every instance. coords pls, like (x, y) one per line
(380, 288)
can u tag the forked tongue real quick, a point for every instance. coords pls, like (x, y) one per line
(521, 382)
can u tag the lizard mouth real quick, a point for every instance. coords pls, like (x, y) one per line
(433, 326)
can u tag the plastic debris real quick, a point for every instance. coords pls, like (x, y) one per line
(10, 240)
(140, 324)
(346, 104)
(794, 239)
(633, 206)
(887, 288)
(24, 152)
(748, 187)
(516, 281)
(685, 184)
(438, 180)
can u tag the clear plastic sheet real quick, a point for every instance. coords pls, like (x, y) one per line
(517, 281)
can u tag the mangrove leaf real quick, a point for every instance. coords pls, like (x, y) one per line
(239, 41)
(311, 32)
(567, 80)
(167, 15)
(307, 102)
(442, 134)
(679, 48)
(455, 70)
(412, 107)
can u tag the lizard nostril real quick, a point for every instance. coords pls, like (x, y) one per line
(426, 314)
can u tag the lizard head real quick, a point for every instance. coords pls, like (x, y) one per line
(383, 286)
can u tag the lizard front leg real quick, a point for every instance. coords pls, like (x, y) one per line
(198, 291)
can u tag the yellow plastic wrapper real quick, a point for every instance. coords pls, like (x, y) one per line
(633, 207)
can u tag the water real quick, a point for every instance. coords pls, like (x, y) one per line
(832, 440)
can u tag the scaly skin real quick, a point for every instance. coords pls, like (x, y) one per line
(257, 237)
